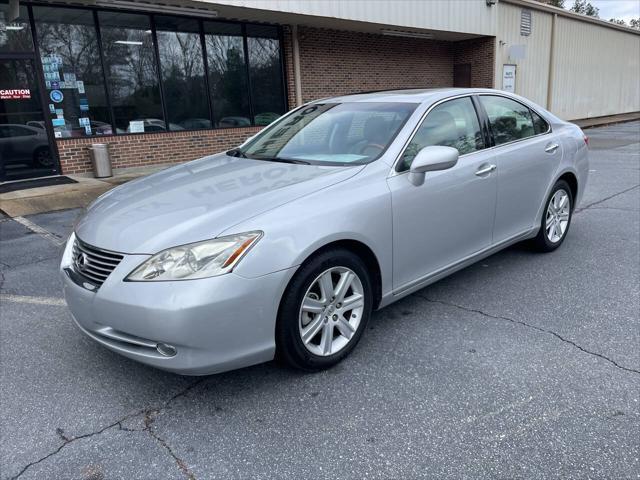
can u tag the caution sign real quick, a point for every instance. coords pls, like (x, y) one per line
(18, 94)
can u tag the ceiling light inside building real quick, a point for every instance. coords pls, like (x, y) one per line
(14, 26)
(128, 42)
(406, 33)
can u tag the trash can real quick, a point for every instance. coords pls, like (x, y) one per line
(101, 160)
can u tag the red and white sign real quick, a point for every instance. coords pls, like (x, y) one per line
(18, 94)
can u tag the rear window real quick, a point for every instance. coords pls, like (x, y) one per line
(540, 125)
(509, 120)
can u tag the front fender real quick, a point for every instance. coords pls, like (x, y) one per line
(359, 209)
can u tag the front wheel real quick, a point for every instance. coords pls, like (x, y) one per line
(324, 311)
(556, 218)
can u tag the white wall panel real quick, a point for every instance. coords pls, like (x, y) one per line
(468, 16)
(533, 71)
(597, 70)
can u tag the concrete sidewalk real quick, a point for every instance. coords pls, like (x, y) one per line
(609, 120)
(73, 195)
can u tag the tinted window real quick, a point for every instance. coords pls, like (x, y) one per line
(539, 124)
(69, 52)
(510, 120)
(132, 73)
(227, 74)
(338, 133)
(265, 73)
(450, 124)
(15, 35)
(182, 70)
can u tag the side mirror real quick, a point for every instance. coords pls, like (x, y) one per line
(431, 159)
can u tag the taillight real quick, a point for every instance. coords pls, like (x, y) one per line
(586, 140)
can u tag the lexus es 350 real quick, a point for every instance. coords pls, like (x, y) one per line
(283, 246)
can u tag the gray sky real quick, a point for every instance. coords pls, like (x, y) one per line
(624, 9)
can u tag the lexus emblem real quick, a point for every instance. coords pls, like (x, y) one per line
(81, 261)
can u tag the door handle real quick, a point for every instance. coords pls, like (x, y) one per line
(486, 169)
(551, 148)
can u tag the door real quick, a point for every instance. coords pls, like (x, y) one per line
(527, 154)
(462, 75)
(450, 216)
(25, 146)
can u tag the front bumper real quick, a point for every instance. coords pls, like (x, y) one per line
(215, 324)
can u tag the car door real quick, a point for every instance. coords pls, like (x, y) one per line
(450, 216)
(527, 155)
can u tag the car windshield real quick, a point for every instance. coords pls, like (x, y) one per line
(330, 133)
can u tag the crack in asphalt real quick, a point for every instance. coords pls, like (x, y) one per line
(581, 209)
(148, 414)
(70, 440)
(182, 465)
(534, 327)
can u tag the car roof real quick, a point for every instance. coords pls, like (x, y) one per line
(414, 95)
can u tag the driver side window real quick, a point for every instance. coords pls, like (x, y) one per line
(450, 124)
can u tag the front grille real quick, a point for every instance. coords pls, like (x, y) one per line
(94, 263)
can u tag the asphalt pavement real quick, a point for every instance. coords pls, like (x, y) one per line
(522, 366)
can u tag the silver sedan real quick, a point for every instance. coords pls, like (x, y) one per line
(283, 246)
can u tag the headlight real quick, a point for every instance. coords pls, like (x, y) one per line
(196, 260)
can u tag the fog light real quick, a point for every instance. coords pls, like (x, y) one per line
(166, 350)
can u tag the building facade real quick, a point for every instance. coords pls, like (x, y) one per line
(166, 82)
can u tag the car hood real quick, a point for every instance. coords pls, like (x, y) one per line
(197, 200)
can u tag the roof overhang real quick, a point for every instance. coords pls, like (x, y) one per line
(203, 9)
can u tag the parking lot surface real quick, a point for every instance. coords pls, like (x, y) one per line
(521, 366)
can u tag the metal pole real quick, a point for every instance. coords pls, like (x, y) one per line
(296, 65)
(552, 52)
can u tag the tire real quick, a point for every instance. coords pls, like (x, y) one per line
(42, 158)
(318, 352)
(548, 240)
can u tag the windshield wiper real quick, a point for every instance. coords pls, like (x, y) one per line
(236, 152)
(283, 160)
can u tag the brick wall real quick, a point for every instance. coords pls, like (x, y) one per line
(153, 148)
(337, 62)
(480, 53)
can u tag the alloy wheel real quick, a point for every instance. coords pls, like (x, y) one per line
(557, 219)
(331, 311)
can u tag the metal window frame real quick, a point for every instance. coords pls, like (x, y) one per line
(151, 15)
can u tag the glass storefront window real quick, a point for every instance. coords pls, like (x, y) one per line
(15, 34)
(74, 83)
(116, 72)
(265, 71)
(227, 74)
(182, 68)
(132, 73)
(24, 145)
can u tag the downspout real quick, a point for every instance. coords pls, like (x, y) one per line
(296, 65)
(552, 54)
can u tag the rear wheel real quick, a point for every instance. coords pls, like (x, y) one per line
(324, 311)
(42, 157)
(556, 218)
